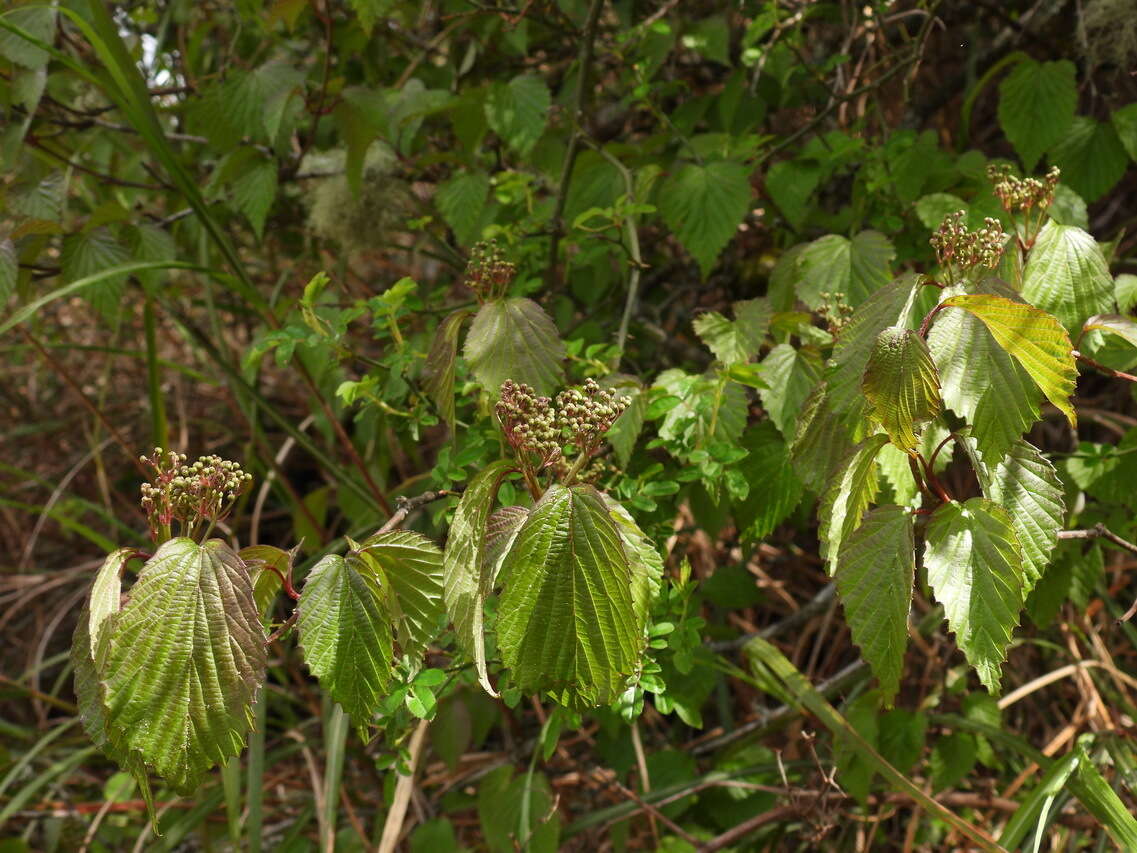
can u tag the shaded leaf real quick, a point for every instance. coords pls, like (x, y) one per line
(775, 488)
(186, 658)
(502, 528)
(567, 621)
(974, 565)
(515, 339)
(9, 270)
(875, 573)
(822, 438)
(854, 268)
(902, 385)
(438, 370)
(703, 205)
(1036, 106)
(738, 340)
(87, 253)
(254, 190)
(461, 200)
(467, 577)
(790, 374)
(517, 111)
(1035, 339)
(38, 21)
(1115, 324)
(644, 558)
(1091, 157)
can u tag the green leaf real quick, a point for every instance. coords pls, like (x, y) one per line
(517, 111)
(789, 184)
(502, 808)
(438, 369)
(1115, 324)
(712, 408)
(933, 207)
(266, 583)
(901, 385)
(1125, 291)
(975, 568)
(849, 494)
(467, 577)
(38, 21)
(854, 268)
(186, 658)
(981, 382)
(502, 528)
(624, 433)
(821, 439)
(875, 573)
(1099, 798)
(644, 559)
(737, 341)
(703, 206)
(1124, 122)
(1035, 339)
(254, 190)
(461, 200)
(1067, 275)
(9, 270)
(87, 253)
(1025, 484)
(1091, 157)
(775, 488)
(790, 374)
(370, 12)
(515, 339)
(953, 757)
(412, 566)
(567, 619)
(345, 633)
(1068, 208)
(1036, 106)
(891, 305)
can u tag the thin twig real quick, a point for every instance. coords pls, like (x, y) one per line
(1106, 369)
(557, 223)
(1100, 531)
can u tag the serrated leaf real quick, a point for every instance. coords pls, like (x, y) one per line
(902, 385)
(821, 440)
(981, 382)
(266, 583)
(975, 568)
(1091, 157)
(517, 111)
(1067, 208)
(1067, 275)
(789, 184)
(231, 110)
(623, 434)
(703, 206)
(711, 408)
(849, 494)
(186, 659)
(567, 621)
(502, 528)
(735, 341)
(87, 253)
(1034, 338)
(1025, 484)
(370, 11)
(345, 633)
(790, 374)
(515, 339)
(438, 369)
(1036, 106)
(775, 489)
(644, 558)
(1115, 324)
(461, 200)
(412, 566)
(254, 190)
(1124, 121)
(9, 270)
(891, 305)
(933, 207)
(854, 268)
(467, 576)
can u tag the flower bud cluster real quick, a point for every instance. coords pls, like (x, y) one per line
(958, 247)
(587, 413)
(834, 310)
(189, 493)
(1022, 194)
(488, 274)
(529, 423)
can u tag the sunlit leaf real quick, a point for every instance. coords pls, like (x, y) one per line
(411, 565)
(901, 385)
(515, 339)
(850, 492)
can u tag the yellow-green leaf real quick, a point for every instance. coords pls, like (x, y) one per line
(901, 385)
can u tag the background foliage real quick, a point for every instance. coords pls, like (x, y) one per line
(244, 228)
